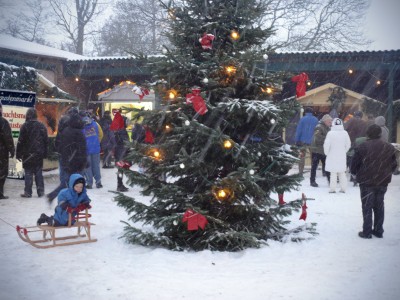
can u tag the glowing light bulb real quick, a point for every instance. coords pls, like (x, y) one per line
(230, 69)
(351, 71)
(187, 122)
(108, 79)
(235, 35)
(272, 121)
(76, 79)
(221, 194)
(205, 80)
(251, 172)
(182, 165)
(228, 144)
(378, 82)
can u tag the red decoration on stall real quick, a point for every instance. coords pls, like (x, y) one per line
(198, 102)
(194, 220)
(206, 41)
(301, 80)
(303, 215)
(141, 92)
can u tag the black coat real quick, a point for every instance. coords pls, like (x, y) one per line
(373, 163)
(108, 141)
(32, 144)
(6, 146)
(72, 146)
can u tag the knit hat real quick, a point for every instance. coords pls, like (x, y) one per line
(326, 117)
(374, 131)
(79, 180)
(308, 109)
(358, 114)
(380, 121)
(337, 121)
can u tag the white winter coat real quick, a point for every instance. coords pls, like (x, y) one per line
(336, 145)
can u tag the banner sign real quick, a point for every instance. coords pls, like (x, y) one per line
(15, 105)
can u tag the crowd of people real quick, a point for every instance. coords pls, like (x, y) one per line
(353, 145)
(357, 146)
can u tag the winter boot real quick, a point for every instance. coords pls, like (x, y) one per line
(280, 197)
(42, 219)
(121, 187)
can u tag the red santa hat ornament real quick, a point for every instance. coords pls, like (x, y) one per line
(141, 92)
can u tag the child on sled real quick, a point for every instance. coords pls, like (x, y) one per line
(70, 199)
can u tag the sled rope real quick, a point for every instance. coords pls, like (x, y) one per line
(7, 223)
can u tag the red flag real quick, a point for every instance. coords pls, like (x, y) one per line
(303, 215)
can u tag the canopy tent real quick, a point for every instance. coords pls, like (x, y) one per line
(125, 94)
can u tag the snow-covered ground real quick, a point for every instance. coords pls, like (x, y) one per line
(337, 264)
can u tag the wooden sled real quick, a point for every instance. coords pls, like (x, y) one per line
(44, 236)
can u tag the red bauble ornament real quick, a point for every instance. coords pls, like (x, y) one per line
(206, 40)
(194, 220)
(301, 80)
(198, 102)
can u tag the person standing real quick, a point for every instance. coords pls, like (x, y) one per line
(118, 126)
(356, 126)
(7, 150)
(381, 122)
(92, 134)
(72, 149)
(373, 163)
(72, 112)
(304, 134)
(317, 148)
(336, 145)
(108, 141)
(32, 149)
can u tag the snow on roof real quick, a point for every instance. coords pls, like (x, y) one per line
(12, 43)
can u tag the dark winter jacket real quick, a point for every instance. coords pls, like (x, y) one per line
(320, 132)
(355, 127)
(108, 141)
(138, 133)
(32, 142)
(73, 146)
(373, 163)
(63, 123)
(305, 129)
(7, 147)
(69, 197)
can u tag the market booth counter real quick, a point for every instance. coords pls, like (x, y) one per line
(125, 94)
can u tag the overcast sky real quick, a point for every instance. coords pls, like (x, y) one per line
(383, 22)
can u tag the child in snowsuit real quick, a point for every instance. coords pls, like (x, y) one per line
(69, 198)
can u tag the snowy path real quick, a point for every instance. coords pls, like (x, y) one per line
(337, 264)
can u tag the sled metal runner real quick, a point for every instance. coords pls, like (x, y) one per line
(45, 236)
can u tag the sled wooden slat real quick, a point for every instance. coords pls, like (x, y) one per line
(50, 237)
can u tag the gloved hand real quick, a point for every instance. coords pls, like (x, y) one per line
(83, 206)
(70, 209)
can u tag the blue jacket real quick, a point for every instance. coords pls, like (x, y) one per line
(91, 132)
(68, 197)
(305, 129)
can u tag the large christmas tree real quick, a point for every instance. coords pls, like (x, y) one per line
(218, 153)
